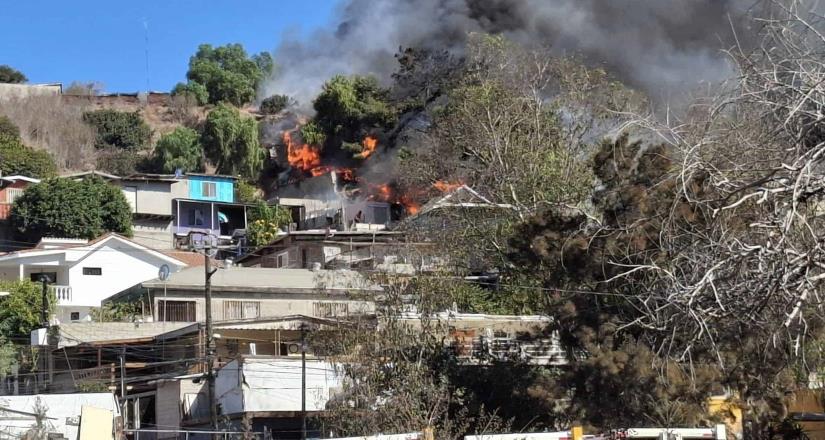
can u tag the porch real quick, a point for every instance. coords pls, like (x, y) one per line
(58, 278)
(216, 218)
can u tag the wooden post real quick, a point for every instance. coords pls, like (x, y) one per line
(428, 433)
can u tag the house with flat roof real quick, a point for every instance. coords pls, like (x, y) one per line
(168, 209)
(163, 367)
(251, 293)
(83, 273)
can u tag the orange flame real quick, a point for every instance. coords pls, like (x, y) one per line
(304, 158)
(446, 186)
(410, 205)
(383, 193)
(320, 171)
(388, 193)
(369, 144)
(346, 174)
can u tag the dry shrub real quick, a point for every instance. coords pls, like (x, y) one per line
(52, 124)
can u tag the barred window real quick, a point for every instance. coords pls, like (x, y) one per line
(241, 309)
(330, 309)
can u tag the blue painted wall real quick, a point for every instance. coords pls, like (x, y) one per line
(224, 191)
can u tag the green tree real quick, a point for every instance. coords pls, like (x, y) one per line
(275, 104)
(265, 63)
(8, 128)
(230, 142)
(116, 129)
(349, 107)
(179, 149)
(227, 72)
(71, 208)
(247, 193)
(20, 309)
(16, 158)
(11, 75)
(265, 222)
(194, 91)
(115, 312)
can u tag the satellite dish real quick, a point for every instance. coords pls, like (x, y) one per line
(163, 272)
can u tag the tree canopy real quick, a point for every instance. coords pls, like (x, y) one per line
(20, 309)
(227, 73)
(230, 142)
(116, 129)
(194, 91)
(11, 75)
(83, 208)
(348, 107)
(275, 104)
(16, 158)
(179, 149)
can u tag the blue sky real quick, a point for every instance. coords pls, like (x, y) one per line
(104, 41)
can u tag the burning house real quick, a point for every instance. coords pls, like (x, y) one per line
(325, 190)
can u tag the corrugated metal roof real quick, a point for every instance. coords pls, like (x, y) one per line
(77, 333)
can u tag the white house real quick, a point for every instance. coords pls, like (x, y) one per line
(84, 273)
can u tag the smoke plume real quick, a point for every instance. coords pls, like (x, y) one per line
(660, 46)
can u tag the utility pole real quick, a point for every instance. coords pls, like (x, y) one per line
(303, 382)
(43, 359)
(210, 342)
(123, 404)
(44, 306)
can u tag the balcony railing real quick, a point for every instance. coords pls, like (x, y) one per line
(63, 293)
(543, 351)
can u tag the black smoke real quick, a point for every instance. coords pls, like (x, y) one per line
(661, 46)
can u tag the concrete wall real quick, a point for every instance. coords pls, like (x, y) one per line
(21, 91)
(153, 233)
(170, 400)
(150, 197)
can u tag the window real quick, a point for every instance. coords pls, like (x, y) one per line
(380, 215)
(92, 271)
(208, 189)
(51, 277)
(75, 316)
(196, 217)
(176, 311)
(12, 194)
(330, 309)
(241, 309)
(282, 259)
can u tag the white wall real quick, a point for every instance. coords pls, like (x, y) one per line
(274, 384)
(123, 266)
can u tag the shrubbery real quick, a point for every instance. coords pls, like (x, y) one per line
(115, 129)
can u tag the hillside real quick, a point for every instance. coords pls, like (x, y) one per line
(55, 123)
